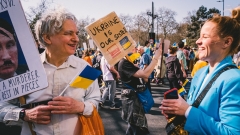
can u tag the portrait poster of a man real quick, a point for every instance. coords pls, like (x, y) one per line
(21, 70)
(12, 60)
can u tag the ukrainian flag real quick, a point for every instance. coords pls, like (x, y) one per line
(182, 91)
(85, 78)
(133, 56)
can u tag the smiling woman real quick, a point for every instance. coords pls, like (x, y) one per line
(219, 38)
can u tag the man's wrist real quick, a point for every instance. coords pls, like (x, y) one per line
(81, 111)
(22, 114)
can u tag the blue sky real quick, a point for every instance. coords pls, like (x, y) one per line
(99, 8)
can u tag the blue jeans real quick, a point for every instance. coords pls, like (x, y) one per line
(110, 91)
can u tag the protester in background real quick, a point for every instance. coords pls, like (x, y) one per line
(191, 57)
(186, 53)
(57, 31)
(218, 113)
(147, 48)
(79, 52)
(96, 64)
(145, 60)
(198, 65)
(236, 57)
(87, 57)
(174, 72)
(182, 59)
(108, 78)
(132, 111)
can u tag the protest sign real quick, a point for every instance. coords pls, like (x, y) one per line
(166, 45)
(91, 44)
(21, 70)
(111, 37)
(85, 46)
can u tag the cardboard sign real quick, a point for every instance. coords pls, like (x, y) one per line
(91, 44)
(111, 37)
(85, 46)
(21, 70)
(166, 45)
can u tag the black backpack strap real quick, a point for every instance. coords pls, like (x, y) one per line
(205, 90)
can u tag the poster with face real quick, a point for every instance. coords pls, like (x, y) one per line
(111, 37)
(21, 70)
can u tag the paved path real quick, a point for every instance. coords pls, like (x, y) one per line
(114, 125)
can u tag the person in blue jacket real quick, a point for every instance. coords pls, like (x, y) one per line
(219, 111)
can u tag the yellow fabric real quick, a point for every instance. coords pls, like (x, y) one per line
(81, 82)
(88, 59)
(91, 125)
(134, 56)
(181, 90)
(186, 81)
(199, 64)
(126, 45)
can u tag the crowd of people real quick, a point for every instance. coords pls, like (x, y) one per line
(57, 29)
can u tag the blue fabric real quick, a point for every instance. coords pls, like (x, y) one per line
(191, 55)
(145, 60)
(147, 50)
(219, 111)
(146, 99)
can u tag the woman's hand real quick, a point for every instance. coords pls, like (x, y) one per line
(65, 105)
(174, 106)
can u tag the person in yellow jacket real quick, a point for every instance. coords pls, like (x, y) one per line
(199, 64)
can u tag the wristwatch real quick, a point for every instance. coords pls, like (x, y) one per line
(22, 114)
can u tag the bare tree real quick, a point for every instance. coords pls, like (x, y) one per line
(82, 23)
(140, 28)
(126, 20)
(166, 22)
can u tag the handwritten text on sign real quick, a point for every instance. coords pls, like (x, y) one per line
(111, 37)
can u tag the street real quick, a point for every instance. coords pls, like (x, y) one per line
(114, 125)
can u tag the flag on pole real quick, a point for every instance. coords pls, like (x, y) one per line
(85, 78)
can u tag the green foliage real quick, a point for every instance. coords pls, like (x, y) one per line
(197, 20)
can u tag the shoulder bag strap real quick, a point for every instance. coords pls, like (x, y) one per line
(205, 90)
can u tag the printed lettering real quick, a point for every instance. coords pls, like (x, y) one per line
(6, 94)
(4, 86)
(6, 3)
(15, 91)
(36, 74)
(29, 86)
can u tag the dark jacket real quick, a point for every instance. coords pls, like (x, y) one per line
(173, 68)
